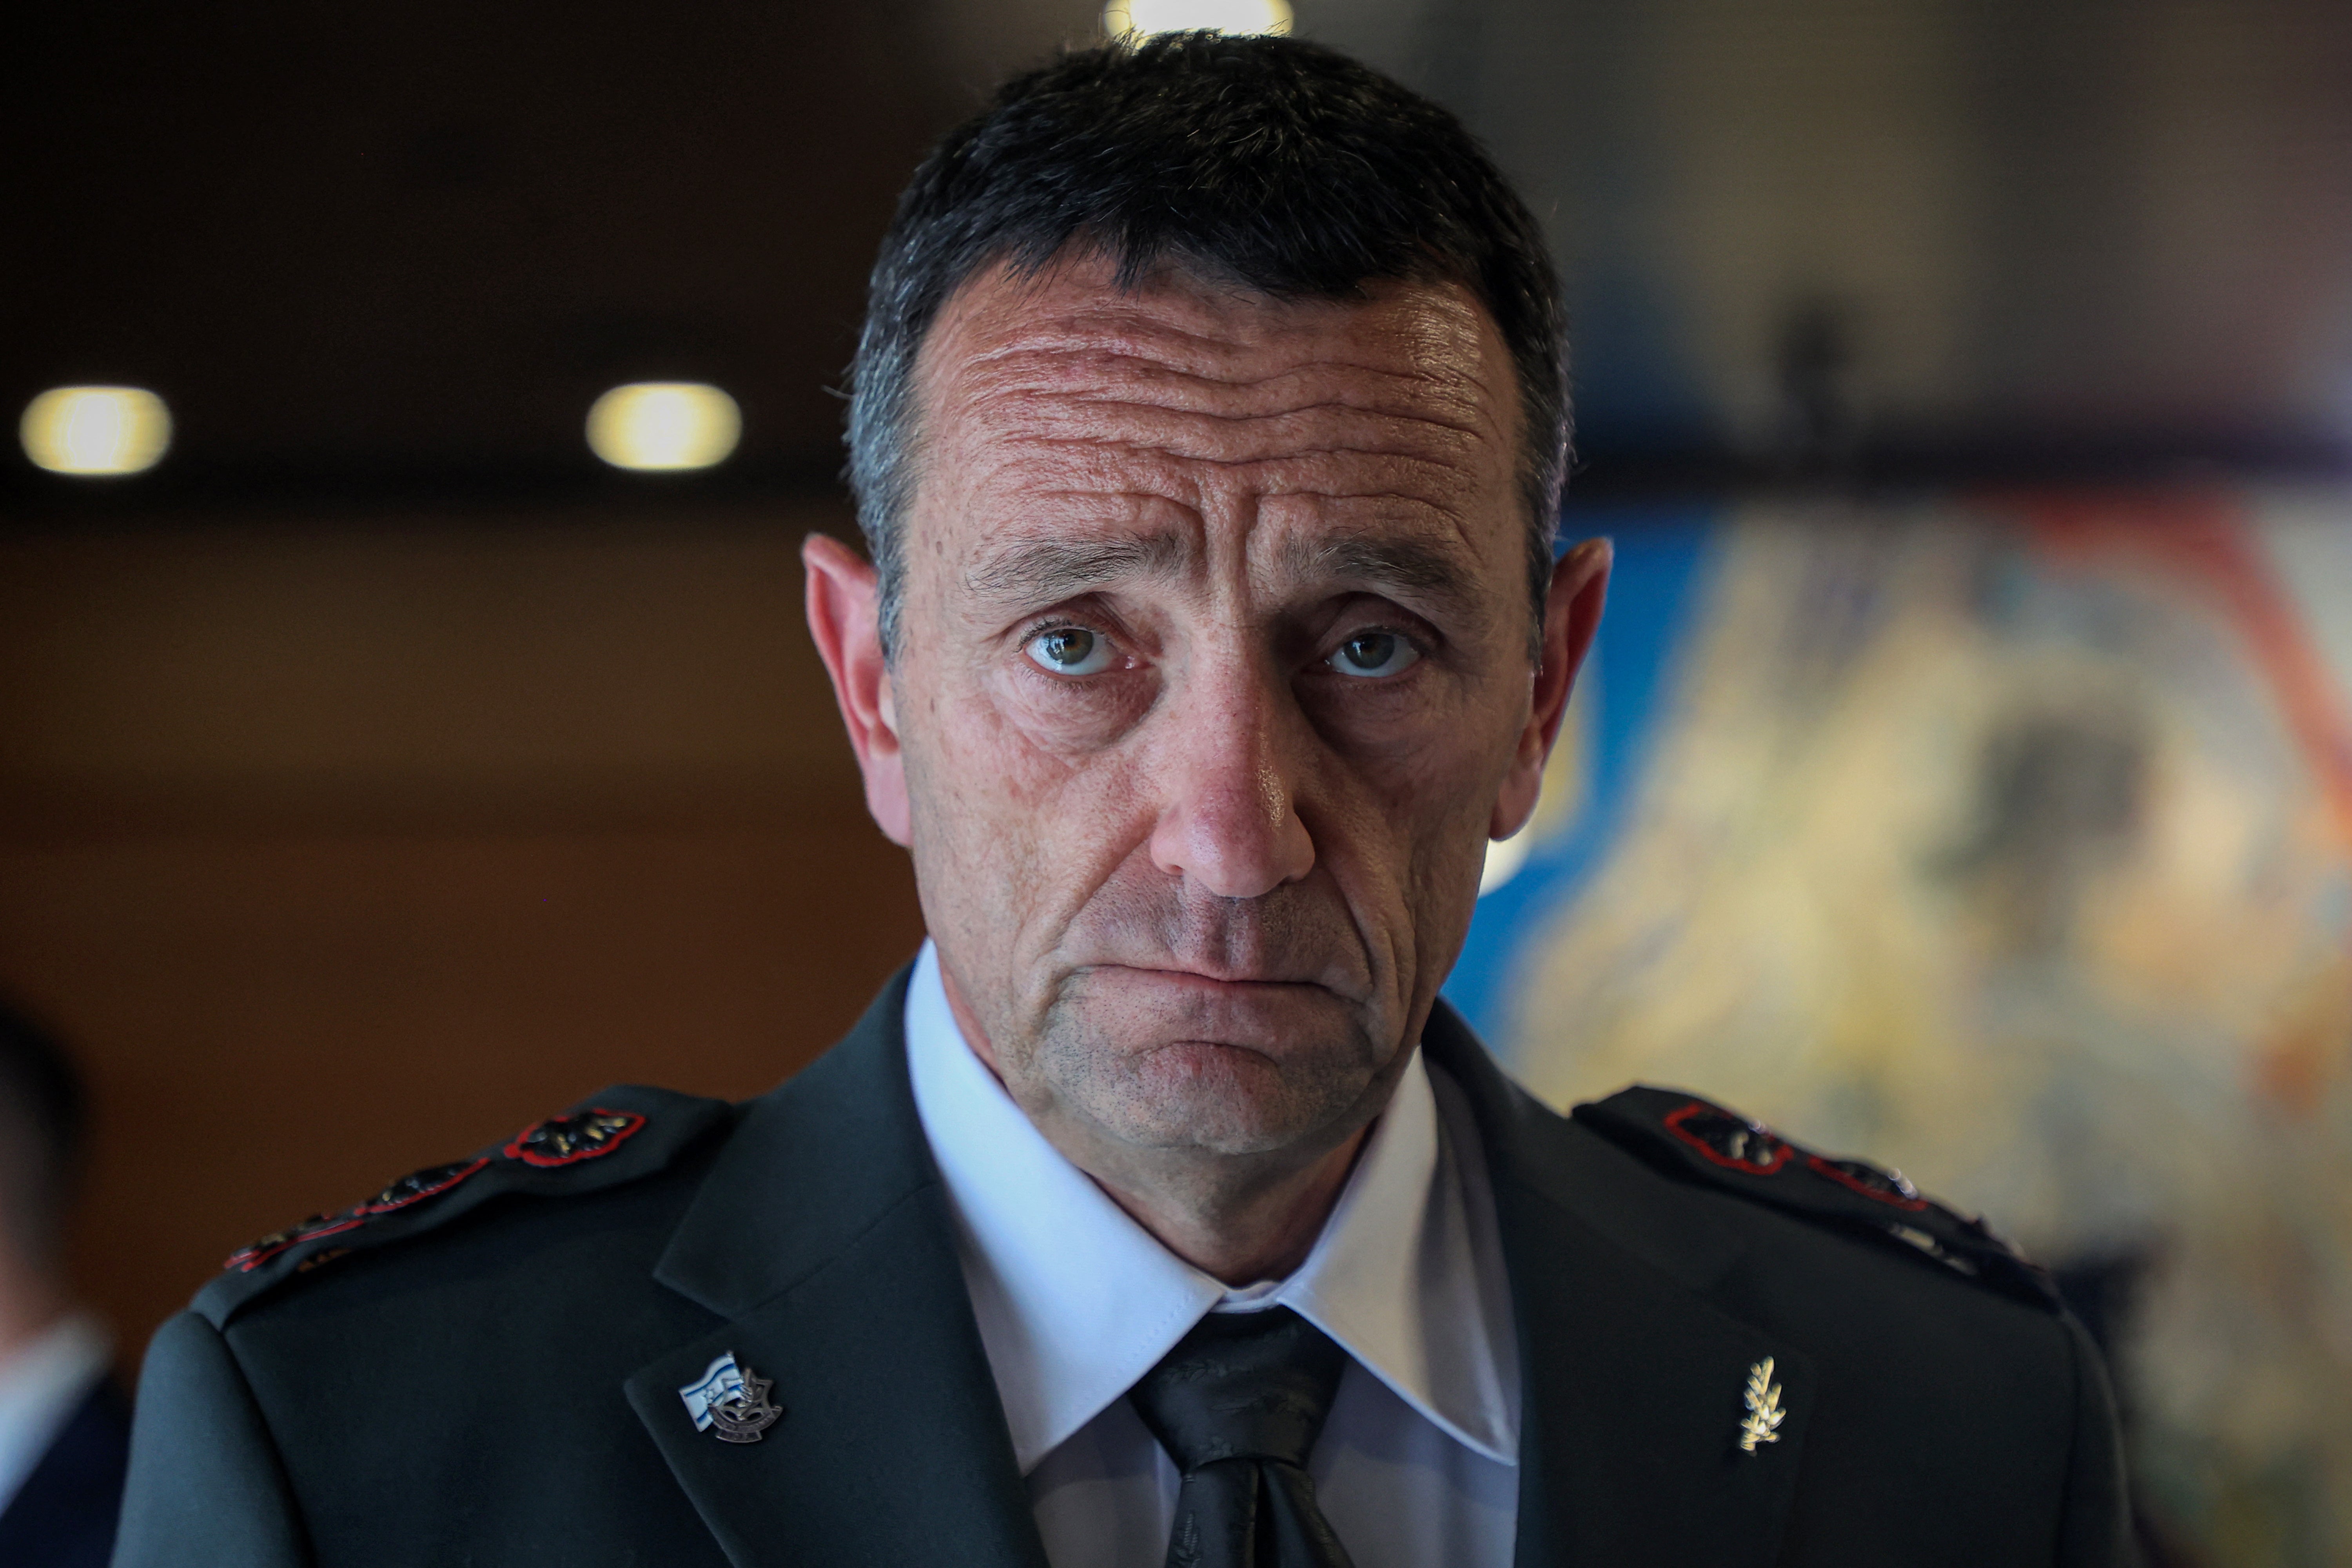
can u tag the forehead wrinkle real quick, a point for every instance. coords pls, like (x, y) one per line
(1107, 454)
(1181, 328)
(1387, 505)
(1089, 482)
(1085, 409)
(1057, 393)
(1224, 367)
(1455, 403)
(1164, 326)
(1182, 303)
(1094, 467)
(1067, 427)
(1415, 342)
(1343, 409)
(1106, 439)
(1325, 426)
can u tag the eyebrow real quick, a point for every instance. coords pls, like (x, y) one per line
(1405, 569)
(1048, 570)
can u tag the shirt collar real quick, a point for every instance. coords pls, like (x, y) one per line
(41, 1385)
(1075, 1302)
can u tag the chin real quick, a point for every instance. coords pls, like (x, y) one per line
(1221, 1098)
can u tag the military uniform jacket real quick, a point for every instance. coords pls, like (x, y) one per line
(482, 1365)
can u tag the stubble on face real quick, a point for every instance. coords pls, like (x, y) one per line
(1196, 904)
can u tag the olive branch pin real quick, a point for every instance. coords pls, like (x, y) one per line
(1762, 1424)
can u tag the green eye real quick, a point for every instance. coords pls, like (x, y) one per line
(1371, 654)
(1070, 650)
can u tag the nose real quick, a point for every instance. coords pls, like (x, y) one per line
(1229, 811)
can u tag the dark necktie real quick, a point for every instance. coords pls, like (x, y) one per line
(1237, 1404)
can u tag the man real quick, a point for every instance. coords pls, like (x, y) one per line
(65, 1432)
(1208, 432)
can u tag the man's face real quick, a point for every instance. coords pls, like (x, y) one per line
(1213, 681)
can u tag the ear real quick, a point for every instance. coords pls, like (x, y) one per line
(845, 617)
(1580, 586)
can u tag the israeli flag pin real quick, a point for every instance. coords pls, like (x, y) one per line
(731, 1401)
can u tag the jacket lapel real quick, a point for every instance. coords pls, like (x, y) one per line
(823, 1238)
(823, 1241)
(1633, 1380)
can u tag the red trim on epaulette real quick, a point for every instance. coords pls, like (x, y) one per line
(613, 1139)
(246, 1259)
(1821, 1167)
(418, 1196)
(1781, 1148)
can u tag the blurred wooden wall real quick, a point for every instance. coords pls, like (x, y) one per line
(342, 845)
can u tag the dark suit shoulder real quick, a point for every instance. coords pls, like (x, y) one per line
(1694, 1141)
(1924, 1369)
(612, 1140)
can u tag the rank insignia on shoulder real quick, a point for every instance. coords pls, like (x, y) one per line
(1694, 1139)
(1732, 1142)
(253, 1255)
(558, 1140)
(418, 1186)
(563, 1156)
(411, 1189)
(566, 1140)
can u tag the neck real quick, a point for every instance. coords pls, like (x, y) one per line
(1231, 1217)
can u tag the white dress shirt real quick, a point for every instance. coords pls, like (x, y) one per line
(1418, 1465)
(41, 1386)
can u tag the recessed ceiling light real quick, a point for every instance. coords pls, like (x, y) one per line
(664, 425)
(95, 429)
(1185, 16)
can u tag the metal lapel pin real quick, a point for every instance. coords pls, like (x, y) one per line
(731, 1401)
(1762, 1424)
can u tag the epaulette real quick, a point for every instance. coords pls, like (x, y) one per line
(624, 1134)
(1690, 1138)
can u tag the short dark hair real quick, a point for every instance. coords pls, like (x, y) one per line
(44, 1120)
(1270, 162)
